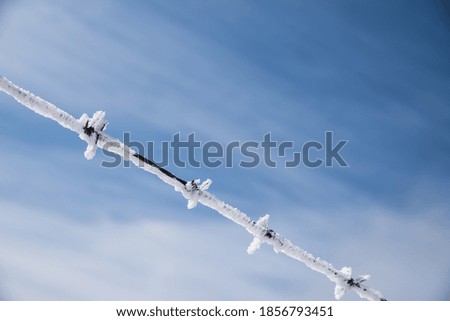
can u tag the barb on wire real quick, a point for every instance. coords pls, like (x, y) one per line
(91, 130)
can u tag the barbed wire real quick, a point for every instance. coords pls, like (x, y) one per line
(91, 130)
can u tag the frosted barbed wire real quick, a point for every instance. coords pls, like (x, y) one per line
(91, 130)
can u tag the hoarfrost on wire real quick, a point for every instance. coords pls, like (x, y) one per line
(91, 130)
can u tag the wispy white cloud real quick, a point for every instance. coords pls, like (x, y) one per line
(73, 230)
(47, 255)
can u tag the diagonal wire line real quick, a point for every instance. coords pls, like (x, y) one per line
(91, 130)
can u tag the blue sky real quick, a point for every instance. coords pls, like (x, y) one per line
(376, 74)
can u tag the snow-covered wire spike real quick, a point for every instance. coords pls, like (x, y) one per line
(342, 287)
(263, 223)
(205, 185)
(91, 130)
(192, 185)
(195, 188)
(193, 191)
(193, 196)
(195, 185)
(362, 278)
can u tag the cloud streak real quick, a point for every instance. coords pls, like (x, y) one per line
(294, 69)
